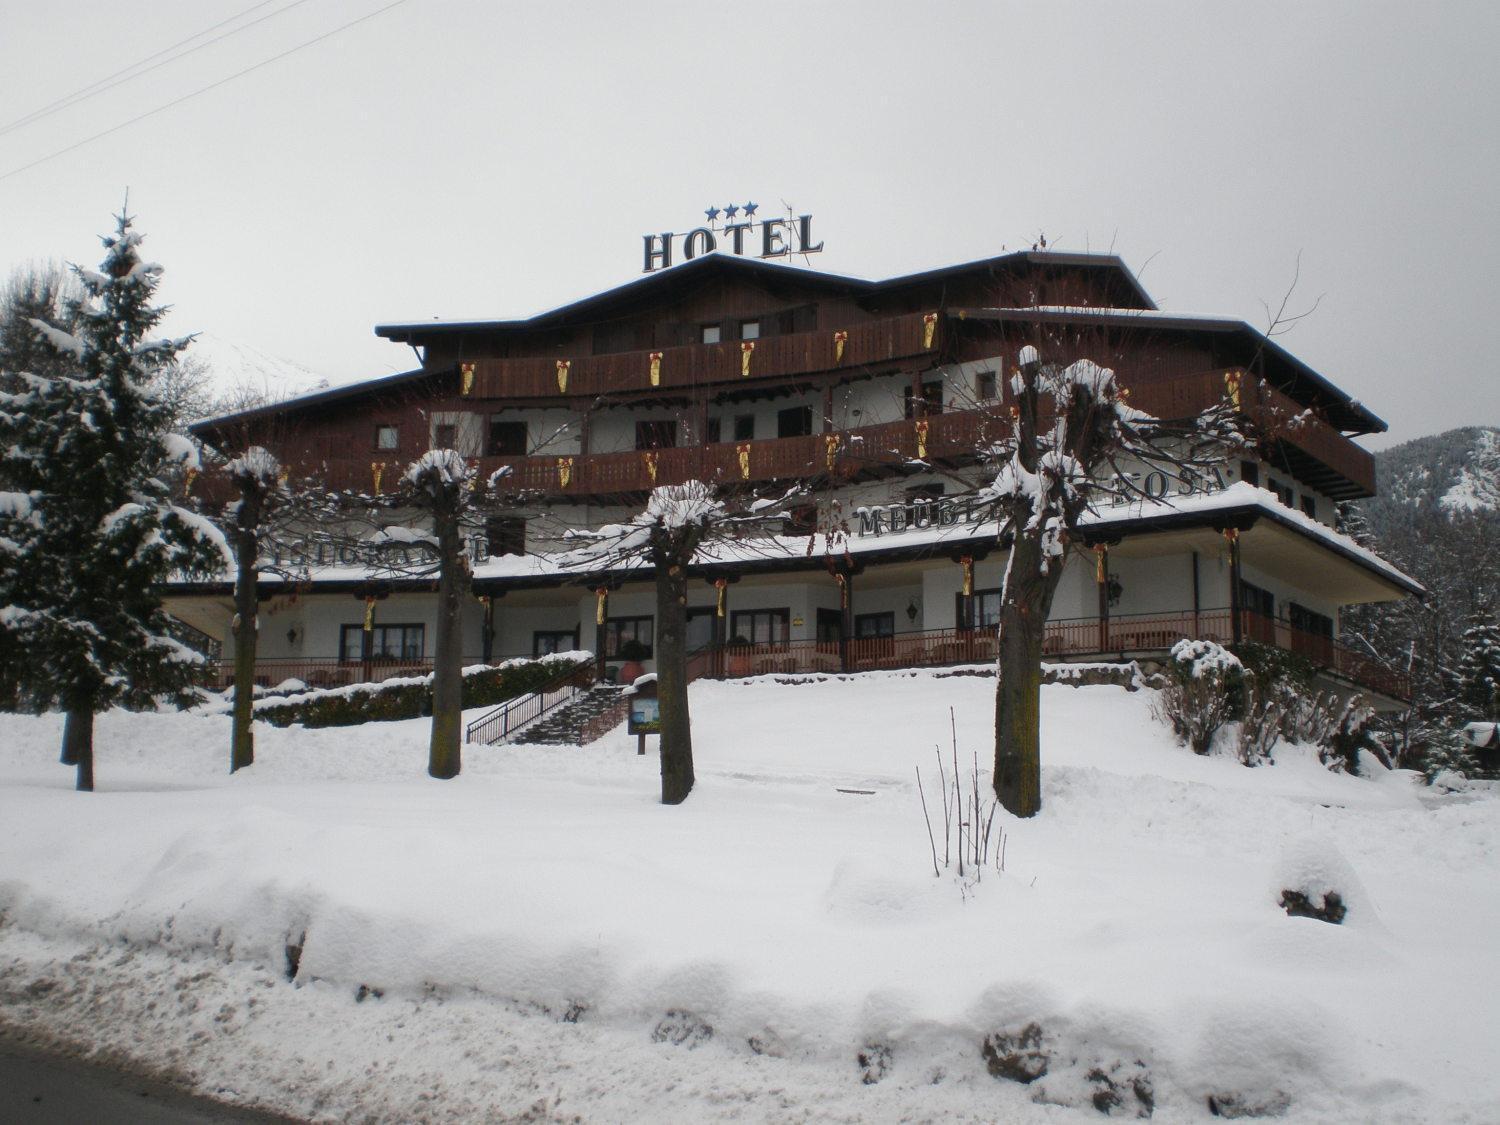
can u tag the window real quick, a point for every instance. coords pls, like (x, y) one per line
(986, 386)
(931, 401)
(387, 642)
(744, 427)
(795, 421)
(506, 535)
(760, 626)
(387, 437)
(749, 330)
(545, 642)
(1284, 493)
(714, 431)
(1250, 472)
(444, 436)
(1310, 621)
(656, 434)
(830, 625)
(1309, 506)
(618, 630)
(874, 625)
(982, 611)
(711, 333)
(507, 439)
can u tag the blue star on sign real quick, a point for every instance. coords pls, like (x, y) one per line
(712, 213)
(750, 209)
(731, 211)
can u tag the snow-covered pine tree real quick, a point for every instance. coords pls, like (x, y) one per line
(88, 530)
(1479, 669)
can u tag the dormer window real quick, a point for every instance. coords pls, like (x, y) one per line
(712, 333)
(749, 330)
(387, 438)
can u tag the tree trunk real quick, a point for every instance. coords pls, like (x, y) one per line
(444, 749)
(75, 726)
(78, 739)
(1025, 601)
(671, 683)
(246, 636)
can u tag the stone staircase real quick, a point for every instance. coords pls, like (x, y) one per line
(565, 725)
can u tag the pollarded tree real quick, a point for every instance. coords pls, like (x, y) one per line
(256, 514)
(680, 522)
(88, 530)
(1071, 435)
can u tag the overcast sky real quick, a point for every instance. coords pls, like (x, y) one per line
(482, 160)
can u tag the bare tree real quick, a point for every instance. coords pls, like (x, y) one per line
(680, 523)
(1073, 438)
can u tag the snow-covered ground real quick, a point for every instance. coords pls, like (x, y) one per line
(541, 939)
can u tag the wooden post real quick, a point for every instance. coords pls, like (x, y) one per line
(1236, 626)
(846, 617)
(827, 409)
(601, 614)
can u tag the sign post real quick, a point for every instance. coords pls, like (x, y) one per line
(645, 712)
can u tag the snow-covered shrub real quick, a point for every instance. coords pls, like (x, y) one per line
(1265, 707)
(1204, 690)
(411, 697)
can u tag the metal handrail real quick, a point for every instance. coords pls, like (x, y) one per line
(510, 716)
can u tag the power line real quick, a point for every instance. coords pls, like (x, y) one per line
(201, 90)
(100, 85)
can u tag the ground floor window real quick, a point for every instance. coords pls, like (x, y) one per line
(760, 626)
(619, 630)
(979, 611)
(387, 642)
(874, 625)
(544, 642)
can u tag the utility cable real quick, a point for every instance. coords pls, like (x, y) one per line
(200, 90)
(109, 81)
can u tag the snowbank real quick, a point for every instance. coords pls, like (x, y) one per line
(541, 933)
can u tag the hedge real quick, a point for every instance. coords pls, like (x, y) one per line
(411, 697)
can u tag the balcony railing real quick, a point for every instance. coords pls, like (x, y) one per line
(952, 436)
(698, 365)
(1139, 635)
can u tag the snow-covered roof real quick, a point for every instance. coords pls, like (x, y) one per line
(1239, 498)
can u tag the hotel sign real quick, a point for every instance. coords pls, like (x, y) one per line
(741, 233)
(951, 511)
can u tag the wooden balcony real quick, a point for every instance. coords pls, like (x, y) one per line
(702, 365)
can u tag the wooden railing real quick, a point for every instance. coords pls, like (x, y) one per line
(1135, 635)
(951, 436)
(697, 365)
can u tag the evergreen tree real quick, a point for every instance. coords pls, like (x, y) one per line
(1479, 669)
(87, 527)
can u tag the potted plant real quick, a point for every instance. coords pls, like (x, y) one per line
(632, 652)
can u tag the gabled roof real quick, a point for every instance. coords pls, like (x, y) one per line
(666, 283)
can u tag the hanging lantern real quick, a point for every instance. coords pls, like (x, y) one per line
(656, 369)
(466, 378)
(369, 613)
(377, 470)
(921, 438)
(564, 471)
(720, 585)
(968, 565)
(831, 449)
(601, 604)
(1101, 564)
(743, 449)
(747, 349)
(1232, 387)
(840, 338)
(929, 329)
(651, 457)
